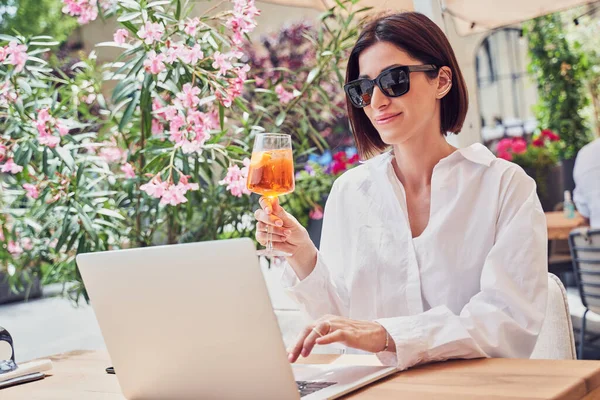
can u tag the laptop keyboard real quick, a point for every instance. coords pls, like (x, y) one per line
(305, 388)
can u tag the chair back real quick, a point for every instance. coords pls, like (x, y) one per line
(556, 341)
(585, 253)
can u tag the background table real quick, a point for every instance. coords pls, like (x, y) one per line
(80, 375)
(559, 227)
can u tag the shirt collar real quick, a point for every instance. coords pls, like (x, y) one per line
(478, 154)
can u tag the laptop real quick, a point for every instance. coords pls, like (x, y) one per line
(195, 321)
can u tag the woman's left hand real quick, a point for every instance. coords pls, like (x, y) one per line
(362, 335)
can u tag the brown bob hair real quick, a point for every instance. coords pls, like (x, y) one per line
(423, 40)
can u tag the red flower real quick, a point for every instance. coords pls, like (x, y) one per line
(337, 167)
(354, 159)
(519, 146)
(539, 142)
(547, 133)
(506, 155)
(340, 156)
(504, 145)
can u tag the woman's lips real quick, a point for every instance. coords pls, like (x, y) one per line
(386, 119)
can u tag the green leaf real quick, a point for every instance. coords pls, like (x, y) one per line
(221, 115)
(280, 118)
(157, 163)
(111, 213)
(312, 75)
(65, 155)
(129, 111)
(178, 10)
(9, 38)
(129, 16)
(86, 221)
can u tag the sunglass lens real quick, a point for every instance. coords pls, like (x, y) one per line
(360, 93)
(394, 83)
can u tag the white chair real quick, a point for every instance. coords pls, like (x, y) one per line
(556, 340)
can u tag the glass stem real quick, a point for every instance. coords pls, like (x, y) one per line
(269, 241)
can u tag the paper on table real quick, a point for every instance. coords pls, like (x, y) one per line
(27, 368)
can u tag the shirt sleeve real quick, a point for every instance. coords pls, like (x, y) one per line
(505, 317)
(324, 290)
(578, 194)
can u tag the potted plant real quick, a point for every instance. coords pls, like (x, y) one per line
(539, 159)
(559, 71)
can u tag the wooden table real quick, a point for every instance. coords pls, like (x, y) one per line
(80, 375)
(559, 227)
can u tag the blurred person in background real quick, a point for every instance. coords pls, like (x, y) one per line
(586, 175)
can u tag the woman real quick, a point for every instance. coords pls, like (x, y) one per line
(428, 252)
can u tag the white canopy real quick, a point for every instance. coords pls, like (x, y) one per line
(470, 16)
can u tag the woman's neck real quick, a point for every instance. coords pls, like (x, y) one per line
(416, 158)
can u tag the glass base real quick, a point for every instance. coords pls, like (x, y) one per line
(271, 253)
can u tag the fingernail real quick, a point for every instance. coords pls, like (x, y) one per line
(290, 357)
(279, 223)
(287, 232)
(268, 210)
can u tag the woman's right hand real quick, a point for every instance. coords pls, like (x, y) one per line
(287, 235)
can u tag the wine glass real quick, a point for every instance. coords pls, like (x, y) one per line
(271, 174)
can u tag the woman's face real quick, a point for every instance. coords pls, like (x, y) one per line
(398, 119)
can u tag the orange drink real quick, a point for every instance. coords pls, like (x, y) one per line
(271, 172)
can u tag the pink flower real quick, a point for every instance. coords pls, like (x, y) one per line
(151, 32)
(7, 94)
(85, 10)
(236, 179)
(128, 170)
(519, 146)
(14, 249)
(27, 244)
(112, 154)
(2, 53)
(243, 19)
(157, 127)
(316, 213)
(174, 51)
(283, 95)
(189, 132)
(169, 193)
(504, 145)
(189, 96)
(191, 26)
(17, 55)
(46, 124)
(505, 155)
(3, 151)
(32, 190)
(154, 63)
(120, 36)
(49, 140)
(191, 55)
(11, 167)
(222, 63)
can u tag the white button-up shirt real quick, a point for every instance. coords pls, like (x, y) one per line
(586, 175)
(473, 284)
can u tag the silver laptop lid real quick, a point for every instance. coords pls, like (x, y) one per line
(189, 321)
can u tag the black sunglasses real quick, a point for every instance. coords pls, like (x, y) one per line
(393, 82)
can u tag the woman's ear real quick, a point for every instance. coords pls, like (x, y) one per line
(444, 82)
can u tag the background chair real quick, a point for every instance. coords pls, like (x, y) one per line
(556, 339)
(585, 253)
